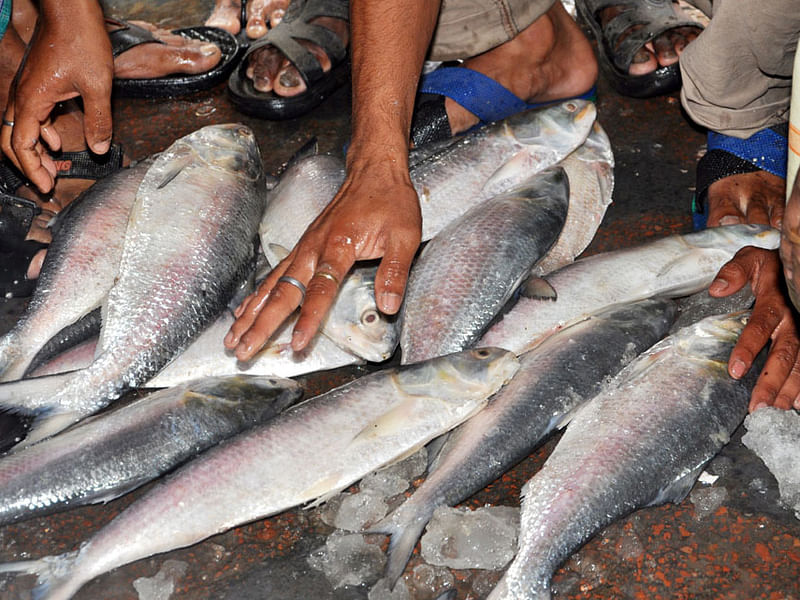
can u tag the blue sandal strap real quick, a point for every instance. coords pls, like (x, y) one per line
(766, 149)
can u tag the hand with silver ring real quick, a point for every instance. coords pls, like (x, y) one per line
(296, 283)
(8, 123)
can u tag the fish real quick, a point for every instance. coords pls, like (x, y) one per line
(78, 269)
(449, 179)
(354, 331)
(304, 189)
(188, 246)
(106, 457)
(304, 455)
(642, 441)
(493, 159)
(469, 270)
(553, 379)
(674, 266)
(590, 171)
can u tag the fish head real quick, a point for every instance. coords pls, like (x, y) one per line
(230, 147)
(356, 325)
(567, 124)
(478, 372)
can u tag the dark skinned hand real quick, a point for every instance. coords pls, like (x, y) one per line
(60, 64)
(773, 319)
(375, 214)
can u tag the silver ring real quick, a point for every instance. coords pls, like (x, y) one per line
(296, 283)
(329, 276)
(8, 123)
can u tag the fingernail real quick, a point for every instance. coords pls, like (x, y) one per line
(298, 337)
(718, 285)
(208, 49)
(737, 368)
(730, 220)
(228, 339)
(101, 147)
(390, 303)
(760, 405)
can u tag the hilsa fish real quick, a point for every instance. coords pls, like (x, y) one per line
(188, 245)
(554, 379)
(105, 457)
(469, 270)
(642, 441)
(673, 266)
(304, 455)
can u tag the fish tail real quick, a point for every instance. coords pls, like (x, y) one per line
(404, 535)
(10, 368)
(54, 574)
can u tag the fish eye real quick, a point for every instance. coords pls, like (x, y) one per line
(482, 353)
(571, 106)
(368, 317)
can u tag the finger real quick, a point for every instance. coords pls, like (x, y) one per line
(97, 119)
(50, 135)
(392, 275)
(779, 381)
(776, 212)
(30, 155)
(731, 277)
(758, 212)
(322, 289)
(763, 322)
(724, 212)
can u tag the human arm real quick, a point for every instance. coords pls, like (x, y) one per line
(376, 212)
(773, 319)
(60, 65)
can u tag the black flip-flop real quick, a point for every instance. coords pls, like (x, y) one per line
(296, 25)
(129, 35)
(619, 40)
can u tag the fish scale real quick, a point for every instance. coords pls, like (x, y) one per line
(642, 441)
(187, 247)
(468, 271)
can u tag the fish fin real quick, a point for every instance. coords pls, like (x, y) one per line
(404, 533)
(277, 253)
(537, 288)
(435, 448)
(178, 165)
(323, 490)
(510, 173)
(54, 575)
(677, 490)
(46, 424)
(390, 422)
(687, 262)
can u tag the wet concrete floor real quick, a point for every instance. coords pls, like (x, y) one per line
(747, 547)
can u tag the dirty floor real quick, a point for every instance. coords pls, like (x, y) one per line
(745, 548)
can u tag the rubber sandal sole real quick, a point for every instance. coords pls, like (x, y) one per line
(172, 86)
(664, 80)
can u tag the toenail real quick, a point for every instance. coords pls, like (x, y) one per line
(208, 49)
(289, 79)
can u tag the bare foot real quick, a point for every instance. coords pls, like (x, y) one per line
(176, 55)
(261, 14)
(271, 71)
(548, 60)
(757, 197)
(663, 51)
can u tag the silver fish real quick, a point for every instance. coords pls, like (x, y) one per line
(116, 452)
(642, 441)
(467, 273)
(493, 159)
(590, 170)
(673, 266)
(79, 268)
(187, 247)
(554, 378)
(304, 455)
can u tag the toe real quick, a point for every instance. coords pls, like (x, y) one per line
(289, 82)
(644, 62)
(665, 50)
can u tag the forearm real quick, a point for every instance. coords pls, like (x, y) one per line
(389, 42)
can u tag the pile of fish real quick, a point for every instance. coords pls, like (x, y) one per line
(504, 337)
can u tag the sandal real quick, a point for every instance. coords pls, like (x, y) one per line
(618, 41)
(129, 35)
(295, 26)
(765, 150)
(17, 213)
(479, 94)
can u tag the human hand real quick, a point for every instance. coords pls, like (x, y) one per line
(772, 319)
(59, 65)
(756, 197)
(375, 214)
